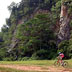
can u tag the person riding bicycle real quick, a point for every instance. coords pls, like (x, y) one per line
(61, 56)
(60, 61)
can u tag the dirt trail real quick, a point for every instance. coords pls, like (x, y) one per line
(37, 68)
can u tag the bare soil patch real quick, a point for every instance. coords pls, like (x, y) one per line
(38, 68)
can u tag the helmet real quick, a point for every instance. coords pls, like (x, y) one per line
(59, 53)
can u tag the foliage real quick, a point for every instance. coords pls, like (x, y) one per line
(34, 34)
(23, 58)
(56, 10)
(7, 59)
(2, 53)
(66, 48)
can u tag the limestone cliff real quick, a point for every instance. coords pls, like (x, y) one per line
(64, 31)
(14, 40)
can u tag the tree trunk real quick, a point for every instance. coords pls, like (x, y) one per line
(64, 32)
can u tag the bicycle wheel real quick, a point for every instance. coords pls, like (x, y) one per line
(56, 63)
(65, 64)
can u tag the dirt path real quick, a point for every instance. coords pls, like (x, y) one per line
(37, 68)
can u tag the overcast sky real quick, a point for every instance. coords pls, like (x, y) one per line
(4, 13)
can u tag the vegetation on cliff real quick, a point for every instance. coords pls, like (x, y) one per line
(31, 31)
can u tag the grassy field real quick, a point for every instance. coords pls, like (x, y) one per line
(29, 63)
(32, 62)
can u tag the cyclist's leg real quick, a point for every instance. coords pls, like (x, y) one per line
(61, 60)
(58, 58)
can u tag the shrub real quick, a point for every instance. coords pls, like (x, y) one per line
(19, 59)
(40, 55)
(25, 59)
(65, 47)
(34, 57)
(7, 59)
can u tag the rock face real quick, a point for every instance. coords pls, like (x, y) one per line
(64, 32)
(14, 40)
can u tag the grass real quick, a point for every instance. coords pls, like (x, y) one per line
(29, 63)
(32, 62)
(70, 63)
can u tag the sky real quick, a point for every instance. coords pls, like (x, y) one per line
(4, 13)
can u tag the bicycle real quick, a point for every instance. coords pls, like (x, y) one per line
(62, 63)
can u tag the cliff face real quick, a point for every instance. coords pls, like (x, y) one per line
(64, 32)
(14, 40)
(62, 25)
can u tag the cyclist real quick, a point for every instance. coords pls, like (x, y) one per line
(60, 61)
(61, 56)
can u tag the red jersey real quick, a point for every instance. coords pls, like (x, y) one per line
(62, 55)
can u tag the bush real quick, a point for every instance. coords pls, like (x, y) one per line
(25, 59)
(34, 57)
(7, 59)
(65, 47)
(19, 59)
(40, 55)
